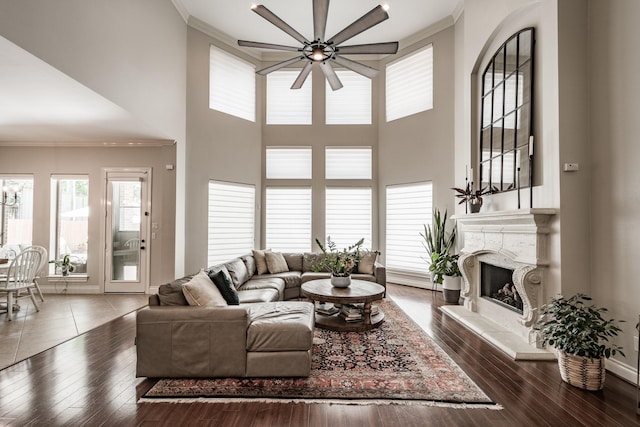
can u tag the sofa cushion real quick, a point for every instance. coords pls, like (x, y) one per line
(313, 276)
(294, 260)
(265, 282)
(367, 277)
(275, 262)
(224, 283)
(238, 272)
(250, 263)
(291, 278)
(250, 296)
(367, 261)
(311, 260)
(261, 262)
(201, 292)
(280, 326)
(171, 293)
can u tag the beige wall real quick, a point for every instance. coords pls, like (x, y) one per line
(219, 147)
(44, 161)
(421, 147)
(614, 128)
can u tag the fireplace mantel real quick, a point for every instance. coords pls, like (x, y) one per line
(517, 240)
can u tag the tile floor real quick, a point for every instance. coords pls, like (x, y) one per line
(61, 317)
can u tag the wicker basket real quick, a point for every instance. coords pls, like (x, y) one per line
(582, 372)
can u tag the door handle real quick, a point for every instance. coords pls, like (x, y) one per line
(141, 247)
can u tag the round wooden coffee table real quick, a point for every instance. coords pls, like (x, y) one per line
(360, 292)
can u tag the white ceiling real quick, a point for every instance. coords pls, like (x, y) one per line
(40, 103)
(235, 18)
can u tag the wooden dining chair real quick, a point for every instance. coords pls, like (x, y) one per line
(20, 276)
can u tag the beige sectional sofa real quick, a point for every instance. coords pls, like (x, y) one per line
(265, 335)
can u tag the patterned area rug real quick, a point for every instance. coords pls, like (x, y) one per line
(395, 363)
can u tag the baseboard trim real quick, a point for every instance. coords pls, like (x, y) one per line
(622, 370)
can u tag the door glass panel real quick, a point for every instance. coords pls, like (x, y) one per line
(125, 230)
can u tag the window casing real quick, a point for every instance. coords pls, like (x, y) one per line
(16, 221)
(232, 85)
(231, 221)
(409, 207)
(350, 105)
(286, 106)
(409, 84)
(70, 220)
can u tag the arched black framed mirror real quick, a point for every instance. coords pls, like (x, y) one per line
(506, 115)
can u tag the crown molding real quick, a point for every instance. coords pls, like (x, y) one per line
(457, 11)
(220, 36)
(443, 24)
(134, 143)
(182, 10)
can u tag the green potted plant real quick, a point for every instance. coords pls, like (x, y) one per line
(473, 198)
(580, 334)
(437, 242)
(339, 262)
(65, 265)
(452, 279)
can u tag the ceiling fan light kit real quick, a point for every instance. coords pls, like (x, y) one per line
(324, 51)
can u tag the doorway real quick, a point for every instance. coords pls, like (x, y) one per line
(128, 202)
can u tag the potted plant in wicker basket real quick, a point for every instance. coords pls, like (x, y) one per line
(581, 335)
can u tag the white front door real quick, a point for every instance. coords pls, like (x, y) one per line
(127, 223)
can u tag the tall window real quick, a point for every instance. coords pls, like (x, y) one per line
(288, 219)
(231, 220)
(348, 216)
(409, 84)
(286, 106)
(232, 85)
(350, 105)
(69, 219)
(16, 219)
(409, 207)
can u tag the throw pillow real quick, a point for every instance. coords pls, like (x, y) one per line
(261, 263)
(238, 272)
(224, 283)
(200, 292)
(275, 262)
(171, 293)
(366, 264)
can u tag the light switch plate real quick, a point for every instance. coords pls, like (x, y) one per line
(571, 167)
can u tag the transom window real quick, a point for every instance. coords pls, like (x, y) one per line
(348, 163)
(232, 85)
(350, 105)
(409, 84)
(286, 106)
(288, 162)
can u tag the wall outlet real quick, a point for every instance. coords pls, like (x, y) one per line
(635, 343)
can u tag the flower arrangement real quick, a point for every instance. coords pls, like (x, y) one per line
(339, 262)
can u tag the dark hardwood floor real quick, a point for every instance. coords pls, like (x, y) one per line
(90, 380)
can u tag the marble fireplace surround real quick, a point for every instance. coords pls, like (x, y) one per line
(517, 240)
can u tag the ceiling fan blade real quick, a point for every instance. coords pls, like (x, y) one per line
(368, 20)
(320, 11)
(271, 17)
(374, 48)
(331, 75)
(359, 68)
(302, 76)
(279, 65)
(261, 45)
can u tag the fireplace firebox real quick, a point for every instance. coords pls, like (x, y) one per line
(496, 285)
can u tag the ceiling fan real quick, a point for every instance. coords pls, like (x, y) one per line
(322, 50)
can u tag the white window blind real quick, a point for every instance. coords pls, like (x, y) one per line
(288, 219)
(16, 220)
(288, 162)
(409, 207)
(231, 221)
(348, 216)
(409, 84)
(232, 85)
(286, 106)
(348, 162)
(350, 105)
